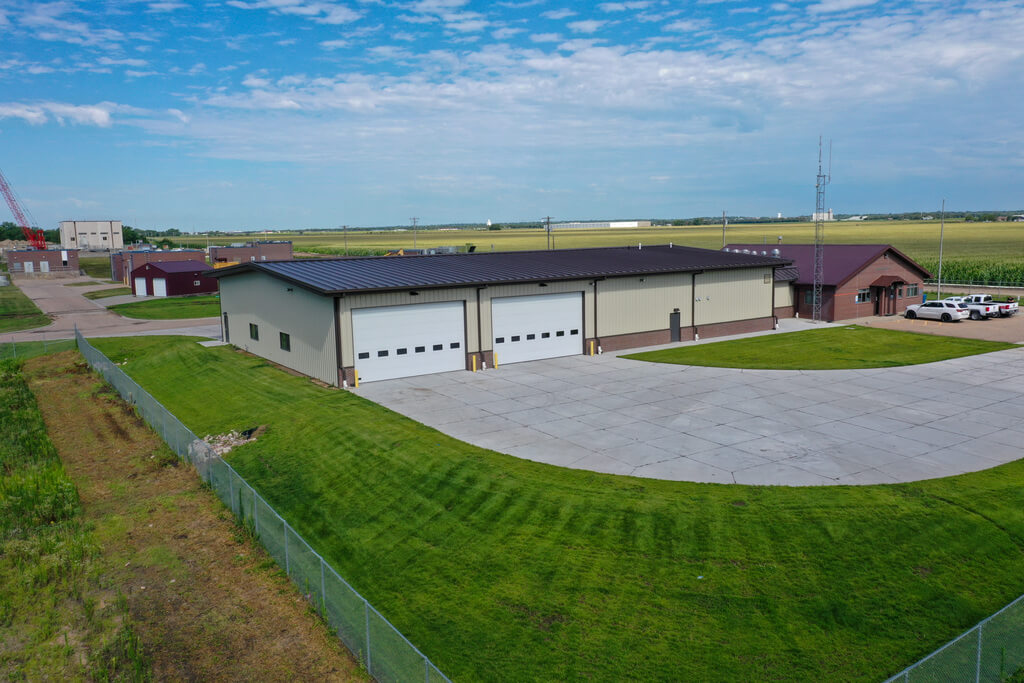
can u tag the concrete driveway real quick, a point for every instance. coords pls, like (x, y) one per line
(68, 308)
(794, 428)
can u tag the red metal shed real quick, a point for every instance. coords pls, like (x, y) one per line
(172, 278)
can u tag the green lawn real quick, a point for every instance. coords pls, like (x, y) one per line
(106, 293)
(830, 348)
(201, 306)
(23, 350)
(501, 568)
(17, 312)
(95, 266)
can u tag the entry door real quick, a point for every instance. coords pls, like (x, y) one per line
(535, 327)
(44, 266)
(140, 286)
(30, 267)
(414, 339)
(159, 286)
(674, 320)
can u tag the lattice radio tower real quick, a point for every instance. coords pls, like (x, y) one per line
(819, 231)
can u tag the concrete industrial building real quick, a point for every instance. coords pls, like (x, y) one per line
(36, 261)
(277, 250)
(91, 235)
(385, 317)
(861, 280)
(172, 278)
(122, 263)
(584, 225)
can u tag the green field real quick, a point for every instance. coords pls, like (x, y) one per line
(17, 312)
(95, 266)
(502, 568)
(831, 348)
(172, 308)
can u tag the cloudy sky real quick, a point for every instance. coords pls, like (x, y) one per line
(313, 113)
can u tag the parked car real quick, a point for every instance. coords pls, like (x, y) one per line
(1006, 308)
(945, 311)
(978, 310)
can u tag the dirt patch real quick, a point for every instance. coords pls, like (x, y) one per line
(206, 602)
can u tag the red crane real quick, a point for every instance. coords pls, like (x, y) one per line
(34, 237)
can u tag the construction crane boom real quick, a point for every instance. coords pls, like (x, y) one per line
(35, 237)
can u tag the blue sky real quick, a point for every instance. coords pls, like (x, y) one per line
(251, 114)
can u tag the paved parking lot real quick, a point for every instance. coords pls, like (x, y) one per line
(608, 414)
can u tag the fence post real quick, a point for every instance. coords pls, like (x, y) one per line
(977, 669)
(426, 669)
(231, 495)
(255, 517)
(369, 657)
(287, 564)
(323, 589)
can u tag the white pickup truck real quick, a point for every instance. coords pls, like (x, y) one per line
(979, 310)
(1006, 308)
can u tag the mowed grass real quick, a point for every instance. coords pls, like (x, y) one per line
(24, 350)
(107, 293)
(501, 568)
(918, 239)
(172, 308)
(95, 266)
(18, 312)
(830, 348)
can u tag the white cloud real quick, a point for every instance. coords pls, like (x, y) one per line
(46, 19)
(507, 32)
(586, 26)
(687, 25)
(546, 37)
(107, 61)
(61, 112)
(320, 11)
(334, 44)
(623, 6)
(558, 14)
(167, 6)
(826, 6)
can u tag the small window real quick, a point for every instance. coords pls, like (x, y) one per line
(195, 283)
(438, 347)
(286, 342)
(454, 345)
(545, 335)
(912, 290)
(574, 332)
(767, 279)
(809, 297)
(263, 258)
(382, 354)
(421, 349)
(402, 352)
(560, 333)
(530, 336)
(252, 258)
(254, 331)
(364, 355)
(499, 340)
(863, 296)
(515, 338)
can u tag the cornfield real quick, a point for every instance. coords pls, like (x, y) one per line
(978, 271)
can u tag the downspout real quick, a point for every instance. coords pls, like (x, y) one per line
(775, 321)
(479, 331)
(337, 340)
(597, 339)
(693, 305)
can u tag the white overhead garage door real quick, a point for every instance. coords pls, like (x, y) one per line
(415, 339)
(534, 327)
(159, 286)
(140, 286)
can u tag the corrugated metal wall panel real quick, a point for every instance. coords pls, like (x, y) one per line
(353, 301)
(306, 317)
(727, 295)
(641, 304)
(783, 294)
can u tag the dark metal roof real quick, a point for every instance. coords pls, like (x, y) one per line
(176, 266)
(381, 273)
(786, 274)
(841, 261)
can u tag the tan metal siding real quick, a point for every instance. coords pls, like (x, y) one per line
(425, 296)
(628, 305)
(783, 294)
(306, 317)
(727, 295)
(528, 289)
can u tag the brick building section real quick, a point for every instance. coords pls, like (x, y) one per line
(887, 279)
(122, 263)
(33, 260)
(253, 251)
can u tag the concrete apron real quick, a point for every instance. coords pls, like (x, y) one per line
(771, 427)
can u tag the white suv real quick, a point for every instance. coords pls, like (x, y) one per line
(945, 311)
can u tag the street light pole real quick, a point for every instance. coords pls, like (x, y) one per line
(942, 230)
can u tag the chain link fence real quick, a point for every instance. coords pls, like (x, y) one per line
(991, 651)
(386, 653)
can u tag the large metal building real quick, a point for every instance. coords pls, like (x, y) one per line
(380, 318)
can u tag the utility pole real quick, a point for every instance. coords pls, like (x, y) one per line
(344, 233)
(551, 238)
(942, 230)
(415, 220)
(723, 229)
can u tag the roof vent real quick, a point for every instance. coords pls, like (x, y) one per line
(775, 253)
(764, 253)
(746, 251)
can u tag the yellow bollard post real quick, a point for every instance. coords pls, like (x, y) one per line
(591, 347)
(474, 363)
(495, 357)
(356, 373)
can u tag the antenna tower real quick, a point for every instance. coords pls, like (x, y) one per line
(547, 226)
(819, 231)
